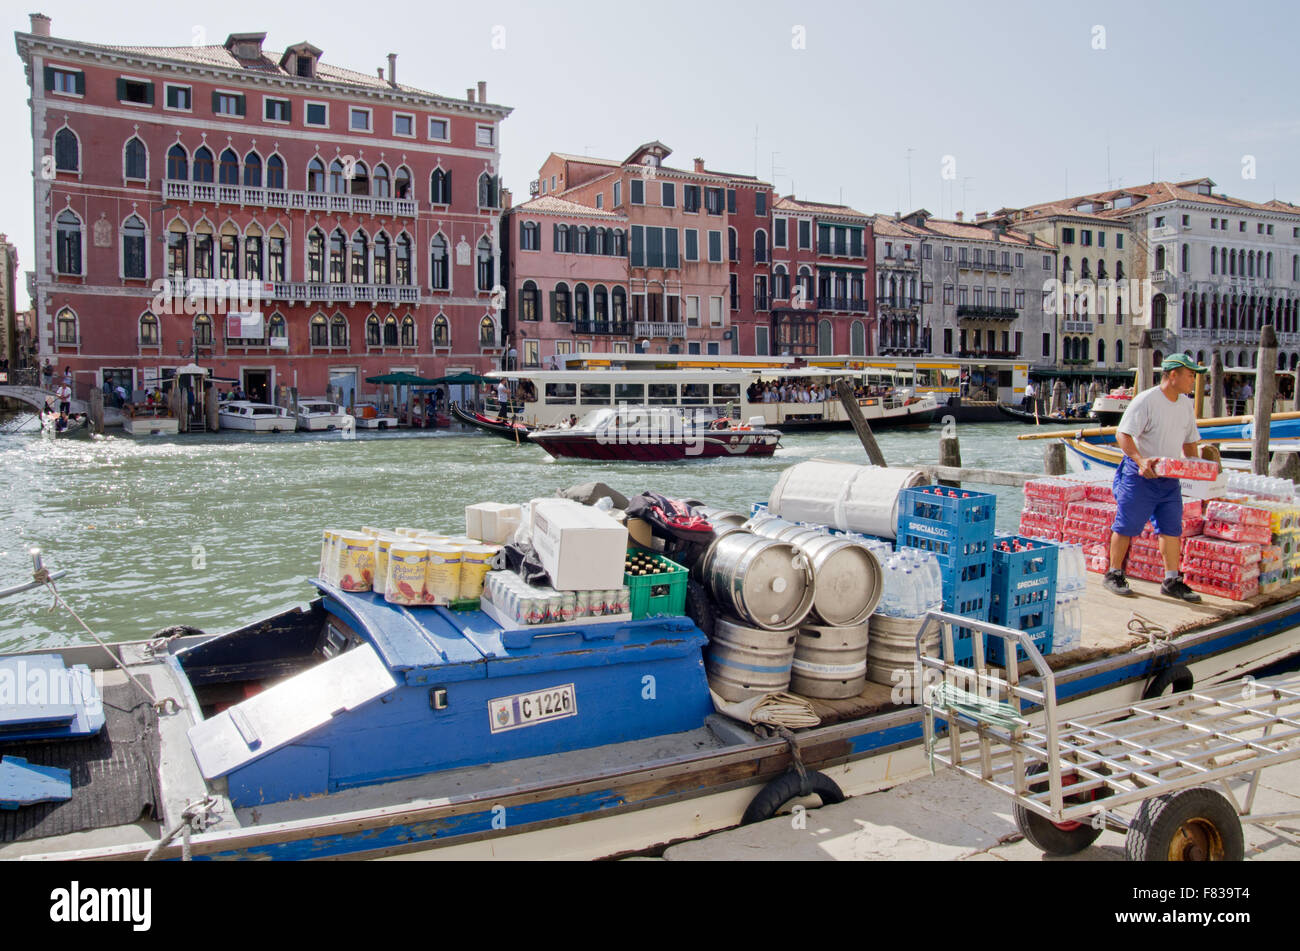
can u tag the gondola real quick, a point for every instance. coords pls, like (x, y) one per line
(1021, 416)
(515, 432)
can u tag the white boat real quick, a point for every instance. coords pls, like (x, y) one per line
(150, 421)
(368, 416)
(317, 415)
(256, 417)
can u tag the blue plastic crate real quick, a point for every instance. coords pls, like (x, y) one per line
(952, 521)
(1024, 582)
(995, 653)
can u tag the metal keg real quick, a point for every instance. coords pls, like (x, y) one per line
(829, 662)
(847, 574)
(745, 662)
(892, 648)
(762, 581)
(722, 520)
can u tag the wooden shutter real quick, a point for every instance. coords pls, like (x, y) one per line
(121, 90)
(148, 93)
(81, 83)
(670, 248)
(49, 78)
(216, 104)
(239, 105)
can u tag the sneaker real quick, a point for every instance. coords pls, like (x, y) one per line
(1176, 587)
(1116, 583)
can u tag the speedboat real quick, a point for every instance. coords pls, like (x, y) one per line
(150, 421)
(368, 416)
(656, 434)
(317, 415)
(256, 417)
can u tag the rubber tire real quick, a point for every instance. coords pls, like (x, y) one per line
(785, 788)
(1044, 834)
(1177, 675)
(1159, 818)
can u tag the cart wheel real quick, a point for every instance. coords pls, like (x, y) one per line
(1193, 825)
(1056, 838)
(787, 787)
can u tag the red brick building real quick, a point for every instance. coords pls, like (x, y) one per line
(353, 219)
(698, 252)
(823, 272)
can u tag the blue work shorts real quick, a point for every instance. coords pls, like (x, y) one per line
(1139, 499)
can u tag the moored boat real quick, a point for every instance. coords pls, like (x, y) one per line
(256, 417)
(368, 416)
(655, 434)
(1021, 416)
(320, 415)
(149, 421)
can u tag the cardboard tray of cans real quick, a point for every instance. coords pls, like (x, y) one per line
(547, 607)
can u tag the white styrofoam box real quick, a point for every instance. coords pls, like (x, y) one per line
(581, 548)
(481, 519)
(500, 522)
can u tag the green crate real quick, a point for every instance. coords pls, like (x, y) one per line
(661, 595)
(464, 604)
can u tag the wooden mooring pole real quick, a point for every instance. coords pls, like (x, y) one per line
(950, 455)
(1054, 459)
(97, 411)
(1143, 379)
(860, 425)
(1265, 388)
(1216, 385)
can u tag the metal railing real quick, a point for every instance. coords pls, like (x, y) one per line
(649, 328)
(614, 328)
(328, 202)
(987, 313)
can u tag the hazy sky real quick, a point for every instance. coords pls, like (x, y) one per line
(822, 99)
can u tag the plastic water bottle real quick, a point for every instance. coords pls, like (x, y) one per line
(911, 604)
(889, 585)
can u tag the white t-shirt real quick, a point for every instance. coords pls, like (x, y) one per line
(1159, 425)
(503, 394)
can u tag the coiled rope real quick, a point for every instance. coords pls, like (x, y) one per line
(948, 698)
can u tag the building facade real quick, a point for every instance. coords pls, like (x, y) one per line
(1210, 269)
(904, 286)
(11, 350)
(823, 272)
(279, 219)
(1097, 296)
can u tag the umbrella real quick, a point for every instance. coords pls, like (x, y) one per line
(401, 379)
(462, 379)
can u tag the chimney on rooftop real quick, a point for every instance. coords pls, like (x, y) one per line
(392, 70)
(981, 215)
(380, 71)
(482, 91)
(699, 165)
(40, 24)
(469, 94)
(959, 216)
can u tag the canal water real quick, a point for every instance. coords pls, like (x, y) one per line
(214, 530)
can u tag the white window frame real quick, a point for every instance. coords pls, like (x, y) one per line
(618, 195)
(67, 71)
(404, 115)
(446, 124)
(170, 86)
(491, 130)
(266, 100)
(306, 110)
(235, 93)
(135, 79)
(370, 119)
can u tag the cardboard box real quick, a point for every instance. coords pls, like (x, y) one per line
(488, 521)
(582, 549)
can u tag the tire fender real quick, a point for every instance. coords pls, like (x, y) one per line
(786, 787)
(1176, 674)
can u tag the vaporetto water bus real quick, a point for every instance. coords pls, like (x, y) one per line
(351, 727)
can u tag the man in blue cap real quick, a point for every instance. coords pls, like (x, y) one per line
(1159, 423)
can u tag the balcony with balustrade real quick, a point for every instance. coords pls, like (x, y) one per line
(233, 290)
(327, 202)
(847, 304)
(982, 312)
(655, 328)
(610, 328)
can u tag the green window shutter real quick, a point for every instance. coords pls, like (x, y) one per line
(81, 84)
(239, 105)
(121, 90)
(148, 93)
(49, 78)
(216, 103)
(670, 248)
(638, 246)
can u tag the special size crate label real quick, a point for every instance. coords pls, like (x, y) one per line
(530, 709)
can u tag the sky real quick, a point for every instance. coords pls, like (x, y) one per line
(886, 107)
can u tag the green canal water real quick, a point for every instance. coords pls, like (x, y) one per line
(215, 530)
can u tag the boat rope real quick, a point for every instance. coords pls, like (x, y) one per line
(1157, 635)
(947, 698)
(164, 706)
(196, 817)
(796, 758)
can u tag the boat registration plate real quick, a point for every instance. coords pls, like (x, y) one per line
(529, 709)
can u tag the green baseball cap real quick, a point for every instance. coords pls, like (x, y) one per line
(1182, 361)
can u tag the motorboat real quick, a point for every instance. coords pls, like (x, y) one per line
(317, 415)
(256, 417)
(656, 434)
(149, 420)
(369, 416)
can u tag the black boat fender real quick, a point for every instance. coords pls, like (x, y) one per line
(1176, 674)
(790, 786)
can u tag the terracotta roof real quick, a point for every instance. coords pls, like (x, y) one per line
(963, 230)
(790, 203)
(588, 159)
(550, 205)
(1158, 193)
(893, 228)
